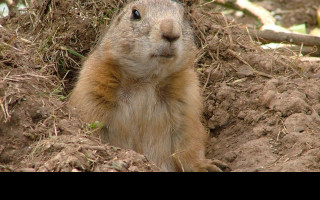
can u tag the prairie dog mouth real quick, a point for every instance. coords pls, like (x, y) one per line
(165, 53)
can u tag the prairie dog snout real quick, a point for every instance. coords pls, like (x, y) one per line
(170, 30)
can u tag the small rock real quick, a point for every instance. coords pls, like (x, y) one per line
(75, 170)
(244, 71)
(268, 97)
(230, 156)
(219, 119)
(297, 122)
(133, 169)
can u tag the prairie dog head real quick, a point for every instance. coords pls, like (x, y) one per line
(150, 38)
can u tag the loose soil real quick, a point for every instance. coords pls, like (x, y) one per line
(261, 107)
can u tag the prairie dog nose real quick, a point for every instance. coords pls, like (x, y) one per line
(170, 30)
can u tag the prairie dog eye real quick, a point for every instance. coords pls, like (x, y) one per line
(136, 14)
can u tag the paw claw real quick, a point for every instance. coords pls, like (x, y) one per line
(212, 166)
(223, 166)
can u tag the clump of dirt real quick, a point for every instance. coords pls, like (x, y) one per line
(261, 107)
(79, 153)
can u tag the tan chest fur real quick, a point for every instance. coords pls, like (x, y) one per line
(140, 121)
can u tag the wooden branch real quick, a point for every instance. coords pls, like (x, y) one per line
(268, 36)
(306, 44)
(310, 59)
(264, 16)
(267, 20)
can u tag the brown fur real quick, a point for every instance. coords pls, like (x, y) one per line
(148, 103)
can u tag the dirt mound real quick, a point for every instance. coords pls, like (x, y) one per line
(261, 107)
(82, 153)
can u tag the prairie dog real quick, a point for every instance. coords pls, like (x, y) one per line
(140, 82)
